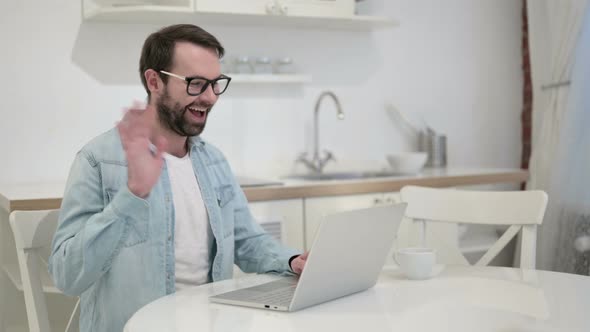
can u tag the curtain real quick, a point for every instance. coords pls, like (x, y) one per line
(570, 187)
(554, 28)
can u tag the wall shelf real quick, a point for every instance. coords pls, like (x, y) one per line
(187, 14)
(270, 78)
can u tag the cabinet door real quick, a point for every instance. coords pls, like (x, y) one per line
(317, 208)
(235, 6)
(319, 8)
(282, 218)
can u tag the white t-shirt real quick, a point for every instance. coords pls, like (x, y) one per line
(193, 238)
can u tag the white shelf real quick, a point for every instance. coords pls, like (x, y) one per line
(275, 78)
(178, 14)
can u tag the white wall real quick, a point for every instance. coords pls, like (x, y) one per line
(454, 62)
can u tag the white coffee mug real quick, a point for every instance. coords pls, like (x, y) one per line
(416, 263)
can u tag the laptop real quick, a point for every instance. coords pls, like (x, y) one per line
(347, 255)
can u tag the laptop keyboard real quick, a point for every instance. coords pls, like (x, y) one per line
(277, 293)
(281, 296)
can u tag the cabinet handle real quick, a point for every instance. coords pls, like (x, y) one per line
(378, 201)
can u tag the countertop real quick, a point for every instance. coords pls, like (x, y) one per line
(38, 196)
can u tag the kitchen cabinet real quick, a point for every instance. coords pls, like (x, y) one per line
(279, 7)
(257, 7)
(316, 208)
(174, 11)
(283, 219)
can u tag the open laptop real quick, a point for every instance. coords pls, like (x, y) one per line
(347, 255)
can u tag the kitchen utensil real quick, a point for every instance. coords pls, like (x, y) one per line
(284, 65)
(407, 162)
(263, 65)
(435, 145)
(243, 65)
(404, 118)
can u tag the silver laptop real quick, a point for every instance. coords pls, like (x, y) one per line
(347, 255)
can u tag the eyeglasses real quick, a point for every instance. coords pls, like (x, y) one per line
(196, 85)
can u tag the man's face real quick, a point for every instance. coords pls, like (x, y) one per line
(178, 111)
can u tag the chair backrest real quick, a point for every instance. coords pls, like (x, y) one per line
(33, 231)
(520, 210)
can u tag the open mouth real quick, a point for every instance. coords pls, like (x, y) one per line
(199, 113)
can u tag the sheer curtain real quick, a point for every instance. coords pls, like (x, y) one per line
(559, 160)
(570, 188)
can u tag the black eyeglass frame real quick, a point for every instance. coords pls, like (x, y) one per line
(208, 82)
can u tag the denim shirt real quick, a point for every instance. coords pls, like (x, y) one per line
(116, 250)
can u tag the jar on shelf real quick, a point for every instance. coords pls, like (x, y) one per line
(263, 65)
(225, 66)
(284, 65)
(243, 65)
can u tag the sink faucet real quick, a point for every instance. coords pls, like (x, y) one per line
(317, 163)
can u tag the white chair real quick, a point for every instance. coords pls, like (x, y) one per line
(33, 231)
(522, 211)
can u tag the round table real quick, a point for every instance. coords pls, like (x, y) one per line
(456, 299)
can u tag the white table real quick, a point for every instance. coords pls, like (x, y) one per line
(457, 299)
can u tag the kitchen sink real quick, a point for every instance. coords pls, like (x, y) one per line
(341, 176)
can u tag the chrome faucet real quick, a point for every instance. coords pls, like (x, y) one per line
(317, 163)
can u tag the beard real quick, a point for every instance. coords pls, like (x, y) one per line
(172, 116)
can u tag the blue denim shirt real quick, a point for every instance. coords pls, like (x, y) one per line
(116, 250)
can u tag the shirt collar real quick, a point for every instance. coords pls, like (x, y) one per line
(195, 141)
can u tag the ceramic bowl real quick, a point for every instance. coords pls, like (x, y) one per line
(407, 162)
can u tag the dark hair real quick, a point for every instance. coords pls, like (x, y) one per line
(158, 49)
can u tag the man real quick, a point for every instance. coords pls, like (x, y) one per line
(149, 206)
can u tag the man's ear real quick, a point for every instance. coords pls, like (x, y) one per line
(153, 81)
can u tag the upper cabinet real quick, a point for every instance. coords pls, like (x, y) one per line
(326, 14)
(306, 8)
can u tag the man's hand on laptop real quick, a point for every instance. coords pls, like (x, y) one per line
(298, 263)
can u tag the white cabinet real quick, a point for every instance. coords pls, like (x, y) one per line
(260, 7)
(301, 14)
(319, 8)
(317, 208)
(282, 219)
(306, 8)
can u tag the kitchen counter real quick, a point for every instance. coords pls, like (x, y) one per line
(435, 177)
(48, 195)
